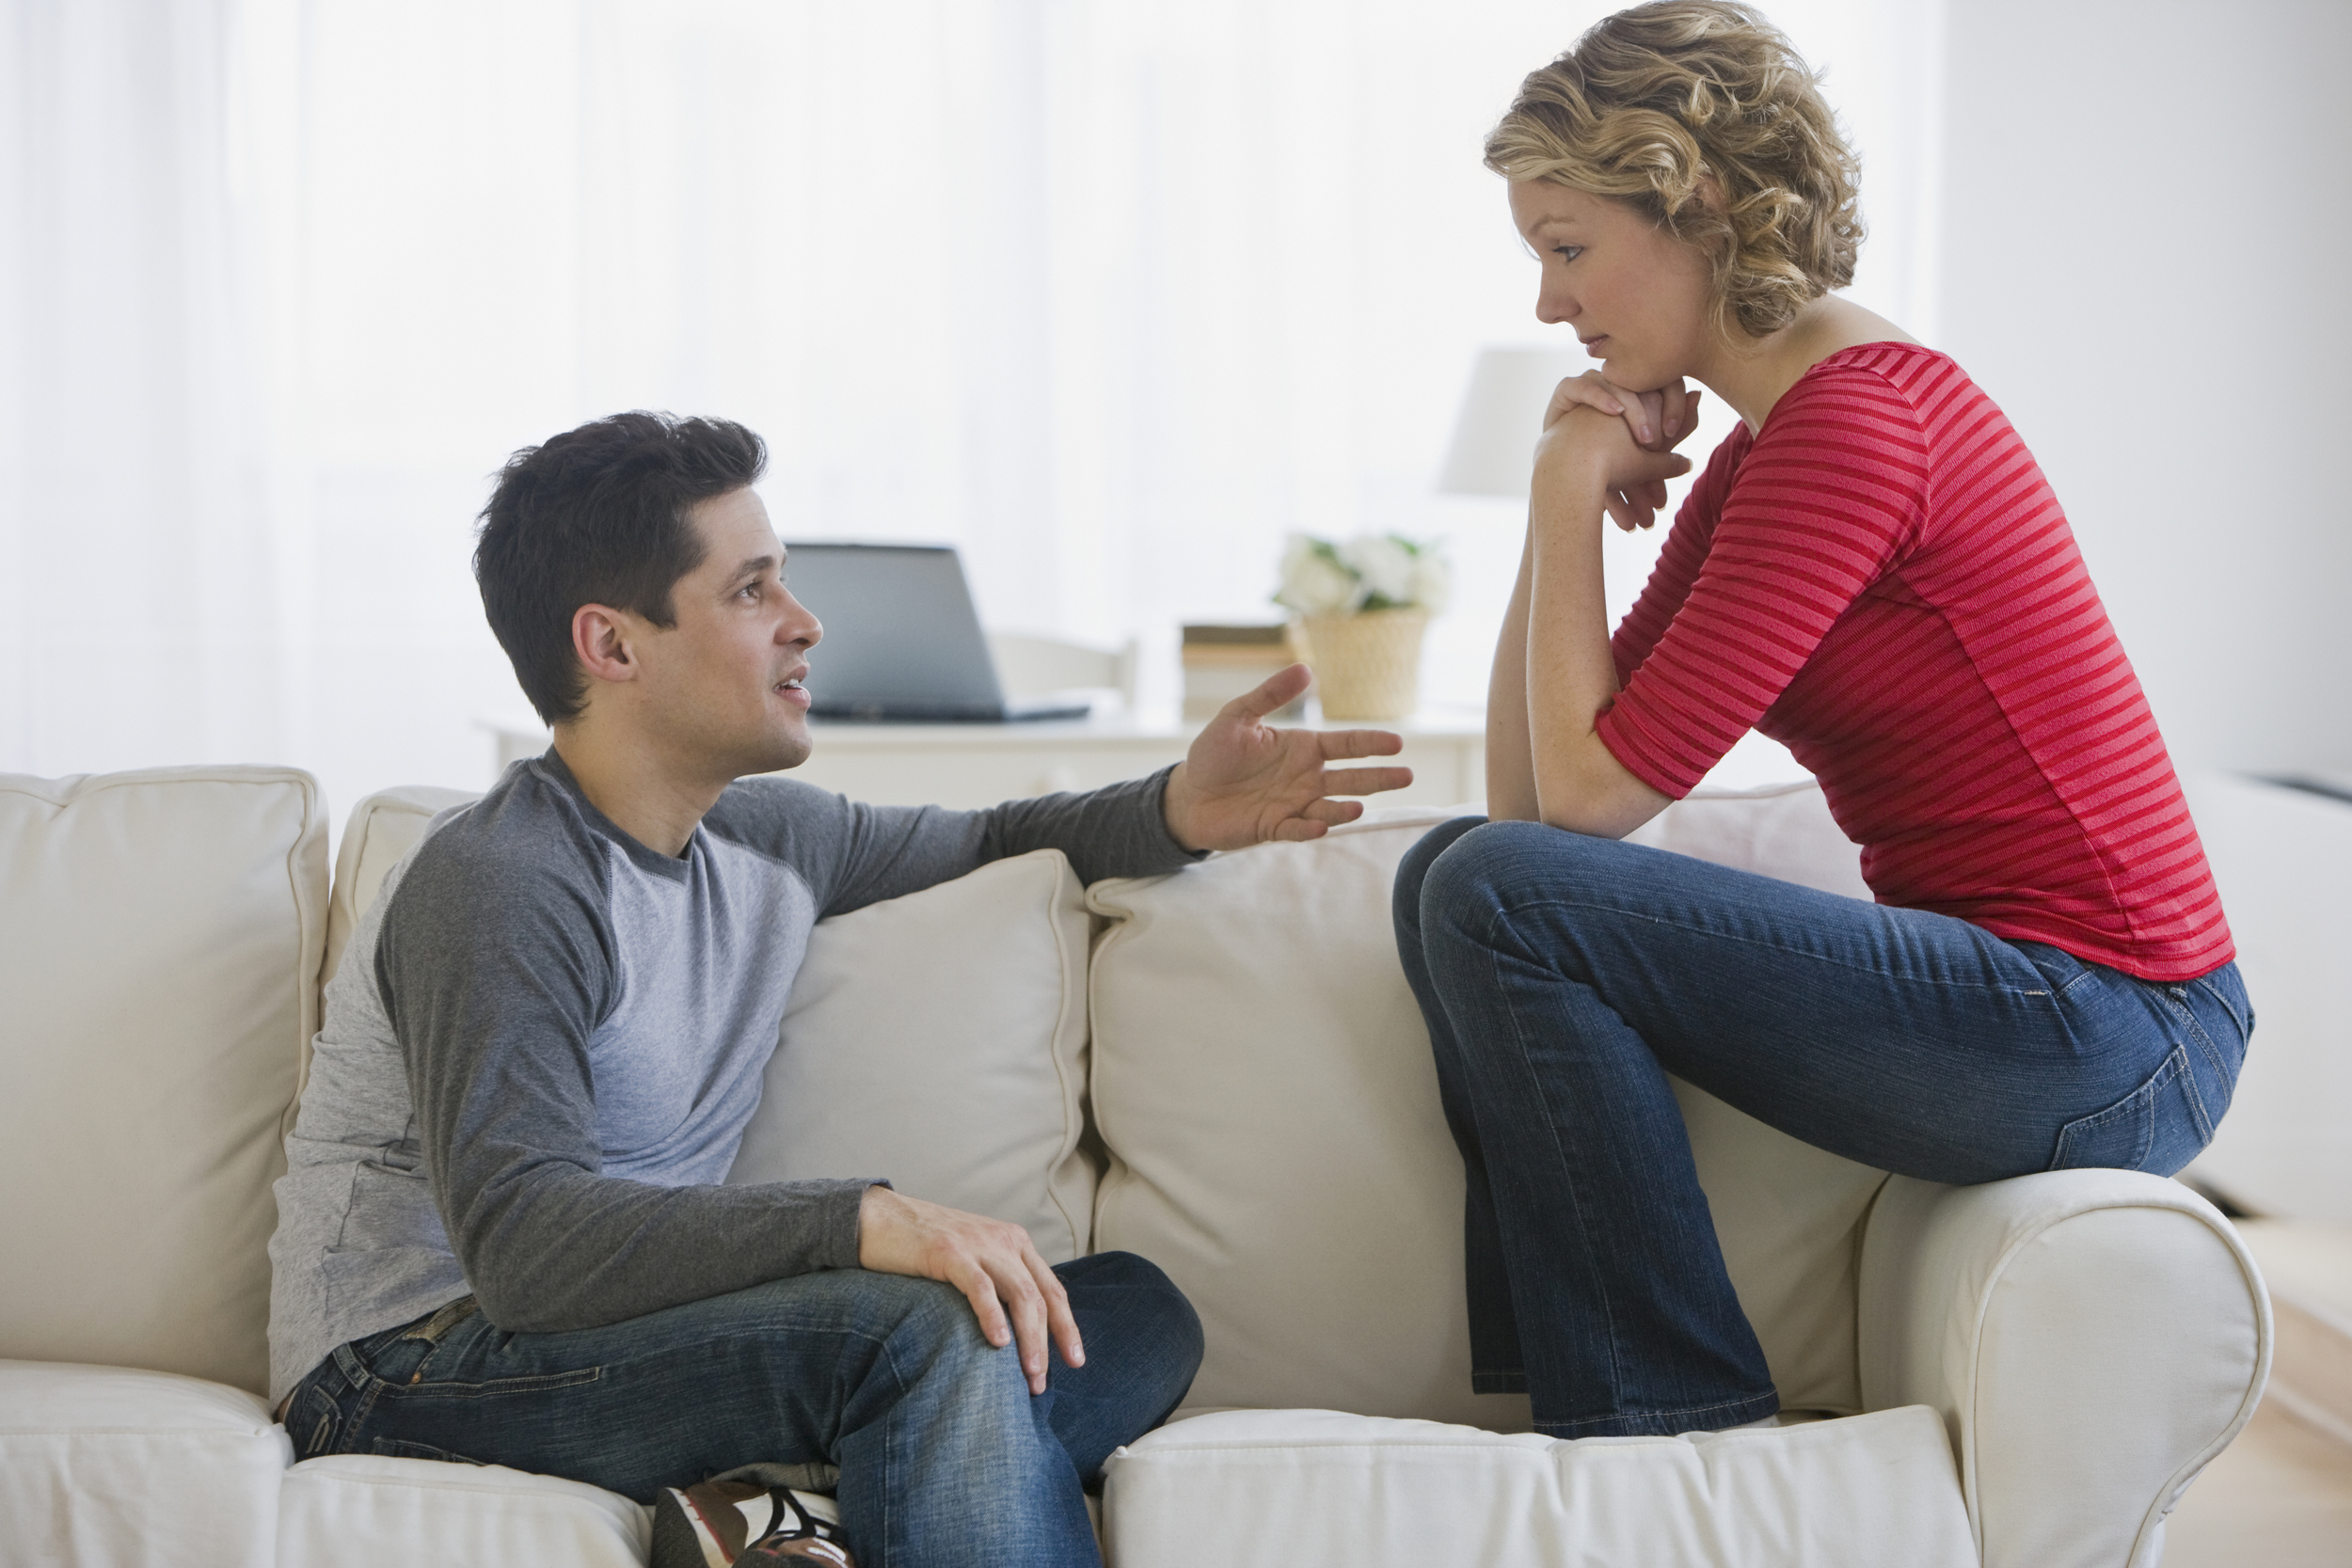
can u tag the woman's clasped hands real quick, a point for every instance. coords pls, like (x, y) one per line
(1596, 430)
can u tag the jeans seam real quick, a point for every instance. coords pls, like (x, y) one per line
(1576, 1199)
(1503, 913)
(2204, 1042)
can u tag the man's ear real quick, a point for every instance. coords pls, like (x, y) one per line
(600, 640)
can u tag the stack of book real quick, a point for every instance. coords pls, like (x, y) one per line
(1223, 661)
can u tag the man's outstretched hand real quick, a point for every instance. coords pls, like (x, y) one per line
(1244, 783)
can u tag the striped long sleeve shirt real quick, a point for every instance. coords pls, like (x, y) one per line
(1882, 579)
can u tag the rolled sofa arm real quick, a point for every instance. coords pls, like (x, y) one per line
(2092, 1339)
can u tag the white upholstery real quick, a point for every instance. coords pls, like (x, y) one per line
(1264, 1089)
(1263, 1082)
(1315, 1489)
(2089, 1339)
(967, 1089)
(358, 1511)
(2086, 1334)
(109, 1467)
(939, 1040)
(382, 828)
(160, 936)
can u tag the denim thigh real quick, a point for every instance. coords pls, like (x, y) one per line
(1905, 1039)
(777, 1372)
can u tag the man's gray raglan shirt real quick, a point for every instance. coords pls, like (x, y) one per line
(544, 1040)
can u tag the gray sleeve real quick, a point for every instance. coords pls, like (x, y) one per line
(494, 980)
(854, 854)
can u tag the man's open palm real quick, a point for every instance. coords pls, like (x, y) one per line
(1243, 783)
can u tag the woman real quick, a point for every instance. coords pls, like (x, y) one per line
(1873, 571)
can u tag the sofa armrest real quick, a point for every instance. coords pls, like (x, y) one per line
(2092, 1339)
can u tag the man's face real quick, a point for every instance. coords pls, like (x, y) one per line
(721, 690)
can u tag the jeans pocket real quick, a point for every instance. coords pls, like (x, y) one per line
(2158, 1126)
(313, 1421)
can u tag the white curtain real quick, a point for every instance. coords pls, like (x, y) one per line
(139, 586)
(1111, 294)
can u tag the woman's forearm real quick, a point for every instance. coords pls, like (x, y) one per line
(1510, 769)
(1571, 675)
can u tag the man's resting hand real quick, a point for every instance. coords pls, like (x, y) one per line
(1244, 782)
(993, 1263)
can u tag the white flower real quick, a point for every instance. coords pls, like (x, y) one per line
(1313, 581)
(1432, 581)
(1384, 563)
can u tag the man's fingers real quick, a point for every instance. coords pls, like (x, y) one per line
(1359, 743)
(1281, 686)
(1364, 781)
(1060, 1321)
(980, 1290)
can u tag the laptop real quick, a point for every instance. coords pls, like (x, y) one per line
(902, 641)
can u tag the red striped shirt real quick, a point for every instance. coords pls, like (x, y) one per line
(1882, 582)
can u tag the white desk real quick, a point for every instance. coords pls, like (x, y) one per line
(978, 764)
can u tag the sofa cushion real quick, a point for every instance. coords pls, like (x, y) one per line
(363, 1510)
(159, 940)
(1262, 1079)
(1314, 1489)
(101, 1464)
(939, 1040)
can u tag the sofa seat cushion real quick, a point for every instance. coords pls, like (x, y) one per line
(98, 1464)
(365, 1511)
(1311, 1488)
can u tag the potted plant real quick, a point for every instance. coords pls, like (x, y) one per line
(1361, 606)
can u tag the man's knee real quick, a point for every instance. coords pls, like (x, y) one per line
(1144, 1308)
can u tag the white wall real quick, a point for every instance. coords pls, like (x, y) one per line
(2144, 239)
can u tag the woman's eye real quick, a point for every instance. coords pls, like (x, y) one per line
(1567, 253)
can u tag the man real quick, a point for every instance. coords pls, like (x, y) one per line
(503, 1236)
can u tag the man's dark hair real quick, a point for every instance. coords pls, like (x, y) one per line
(599, 516)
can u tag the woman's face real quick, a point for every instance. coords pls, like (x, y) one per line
(1635, 296)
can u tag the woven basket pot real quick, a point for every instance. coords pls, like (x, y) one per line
(1367, 665)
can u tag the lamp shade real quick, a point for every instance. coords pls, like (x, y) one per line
(1494, 438)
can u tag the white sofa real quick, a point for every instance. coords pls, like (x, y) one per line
(1220, 1070)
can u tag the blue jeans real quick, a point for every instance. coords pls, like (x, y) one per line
(944, 1456)
(1563, 978)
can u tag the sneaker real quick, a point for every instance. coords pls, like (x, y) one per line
(739, 1521)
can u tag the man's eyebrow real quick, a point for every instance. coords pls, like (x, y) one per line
(756, 566)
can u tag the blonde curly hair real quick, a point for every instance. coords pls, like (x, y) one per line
(1654, 101)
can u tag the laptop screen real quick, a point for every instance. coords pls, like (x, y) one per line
(901, 640)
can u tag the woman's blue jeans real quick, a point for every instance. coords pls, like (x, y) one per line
(1564, 977)
(944, 1456)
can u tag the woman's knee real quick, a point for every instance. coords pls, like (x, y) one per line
(1413, 870)
(1492, 864)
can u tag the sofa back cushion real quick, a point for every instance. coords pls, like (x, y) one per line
(938, 1039)
(1262, 1079)
(160, 940)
